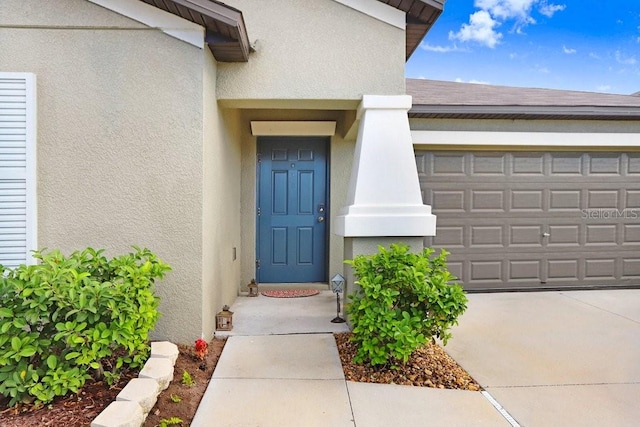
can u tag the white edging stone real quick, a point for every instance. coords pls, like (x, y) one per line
(144, 391)
(137, 398)
(158, 369)
(120, 414)
(165, 349)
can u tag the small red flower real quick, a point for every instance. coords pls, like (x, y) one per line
(201, 348)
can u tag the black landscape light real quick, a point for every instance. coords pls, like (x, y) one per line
(337, 286)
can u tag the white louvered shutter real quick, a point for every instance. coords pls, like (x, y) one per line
(18, 218)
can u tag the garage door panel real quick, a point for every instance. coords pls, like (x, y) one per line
(605, 164)
(562, 269)
(633, 164)
(528, 270)
(563, 200)
(603, 199)
(450, 201)
(483, 271)
(522, 220)
(564, 235)
(631, 268)
(633, 199)
(449, 237)
(527, 200)
(602, 235)
(566, 164)
(524, 236)
(488, 200)
(600, 268)
(447, 165)
(527, 165)
(487, 237)
(488, 164)
(631, 233)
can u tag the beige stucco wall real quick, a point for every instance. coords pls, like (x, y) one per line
(120, 130)
(313, 50)
(221, 209)
(340, 161)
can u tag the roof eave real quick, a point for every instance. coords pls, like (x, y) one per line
(213, 15)
(420, 17)
(415, 31)
(525, 112)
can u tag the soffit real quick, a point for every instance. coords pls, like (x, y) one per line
(421, 15)
(226, 34)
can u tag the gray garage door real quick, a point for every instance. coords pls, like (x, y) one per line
(522, 220)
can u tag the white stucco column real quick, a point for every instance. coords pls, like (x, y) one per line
(384, 196)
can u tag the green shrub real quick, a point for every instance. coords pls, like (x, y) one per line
(67, 319)
(404, 300)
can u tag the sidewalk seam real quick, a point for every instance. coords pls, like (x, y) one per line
(600, 308)
(353, 416)
(507, 416)
(564, 385)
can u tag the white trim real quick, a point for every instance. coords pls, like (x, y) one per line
(32, 167)
(297, 128)
(380, 11)
(381, 102)
(545, 139)
(153, 17)
(384, 196)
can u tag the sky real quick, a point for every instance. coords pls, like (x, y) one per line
(584, 45)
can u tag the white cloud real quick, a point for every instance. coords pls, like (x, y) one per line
(549, 10)
(568, 51)
(506, 9)
(593, 55)
(493, 13)
(477, 82)
(441, 49)
(603, 88)
(480, 29)
(625, 60)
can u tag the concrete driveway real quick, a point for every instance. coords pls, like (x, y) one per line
(567, 358)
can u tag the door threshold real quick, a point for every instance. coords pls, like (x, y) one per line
(280, 286)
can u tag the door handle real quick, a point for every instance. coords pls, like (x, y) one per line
(546, 234)
(320, 219)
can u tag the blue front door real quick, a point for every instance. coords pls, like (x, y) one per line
(292, 208)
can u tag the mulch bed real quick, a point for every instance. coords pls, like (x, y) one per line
(79, 410)
(190, 396)
(428, 366)
(71, 411)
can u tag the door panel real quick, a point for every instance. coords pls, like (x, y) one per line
(291, 244)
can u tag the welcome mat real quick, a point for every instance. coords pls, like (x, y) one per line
(290, 293)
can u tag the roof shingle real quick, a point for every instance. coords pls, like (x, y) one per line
(441, 99)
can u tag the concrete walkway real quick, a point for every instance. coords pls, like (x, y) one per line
(556, 358)
(553, 358)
